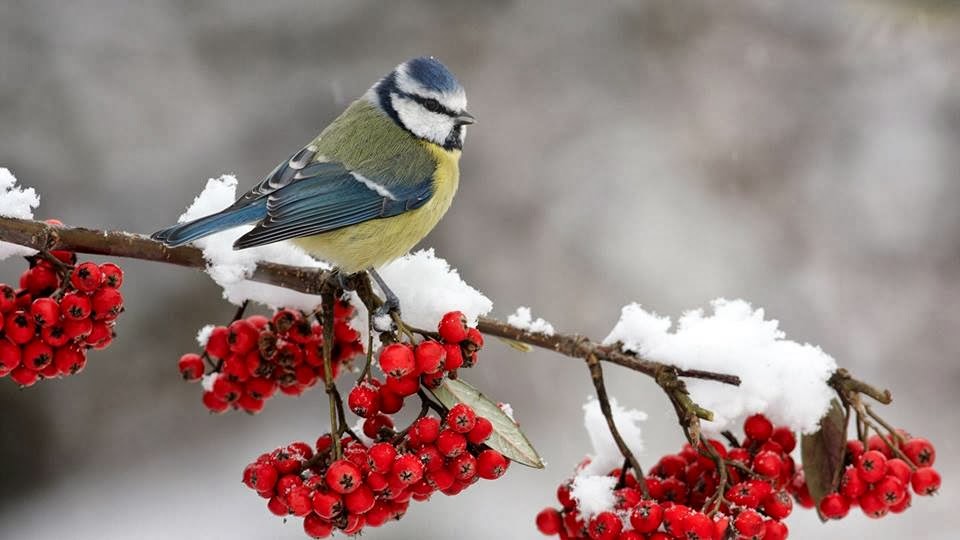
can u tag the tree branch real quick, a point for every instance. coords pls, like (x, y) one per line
(42, 236)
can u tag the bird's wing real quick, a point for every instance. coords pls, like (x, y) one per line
(324, 196)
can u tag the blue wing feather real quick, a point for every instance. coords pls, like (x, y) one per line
(325, 197)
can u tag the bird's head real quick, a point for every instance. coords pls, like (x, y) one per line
(423, 97)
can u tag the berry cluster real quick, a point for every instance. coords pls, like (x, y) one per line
(753, 504)
(61, 310)
(407, 367)
(382, 470)
(373, 484)
(878, 477)
(253, 357)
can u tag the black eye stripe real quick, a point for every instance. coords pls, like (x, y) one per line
(428, 103)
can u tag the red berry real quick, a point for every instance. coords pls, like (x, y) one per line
(775, 530)
(8, 299)
(646, 517)
(316, 527)
(78, 330)
(404, 386)
(24, 376)
(673, 518)
(242, 336)
(441, 478)
(872, 466)
(481, 431)
(431, 458)
(872, 505)
(86, 277)
(855, 449)
(260, 476)
(900, 469)
(397, 360)
(380, 457)
(758, 428)
(106, 304)
(390, 401)
(785, 438)
(464, 467)
(491, 464)
(925, 481)
(364, 400)
(891, 490)
(432, 380)
(277, 506)
(453, 328)
(218, 345)
(697, 526)
(112, 275)
(564, 497)
(191, 367)
(430, 357)
(45, 311)
(450, 443)
(360, 500)
(920, 451)
(834, 506)
(284, 319)
(407, 469)
(19, 327)
(70, 359)
(75, 306)
(902, 505)
(549, 521)
(226, 389)
(9, 356)
(37, 355)
(454, 356)
(214, 403)
(777, 505)
(100, 335)
(767, 464)
(605, 526)
(326, 504)
(55, 335)
(250, 404)
(851, 485)
(749, 524)
(461, 418)
(41, 280)
(426, 429)
(373, 425)
(343, 476)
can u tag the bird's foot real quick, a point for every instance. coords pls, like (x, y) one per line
(386, 318)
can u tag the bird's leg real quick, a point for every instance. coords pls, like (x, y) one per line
(390, 309)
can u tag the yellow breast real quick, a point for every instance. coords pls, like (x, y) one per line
(373, 243)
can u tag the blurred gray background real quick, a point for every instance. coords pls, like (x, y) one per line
(801, 155)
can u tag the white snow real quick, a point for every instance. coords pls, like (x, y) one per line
(594, 494)
(207, 381)
(507, 410)
(204, 335)
(230, 268)
(606, 456)
(783, 379)
(523, 319)
(16, 202)
(428, 287)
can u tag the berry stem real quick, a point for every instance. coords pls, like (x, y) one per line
(731, 438)
(328, 297)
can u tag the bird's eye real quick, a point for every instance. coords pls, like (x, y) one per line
(431, 105)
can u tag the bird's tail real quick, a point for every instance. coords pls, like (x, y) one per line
(183, 233)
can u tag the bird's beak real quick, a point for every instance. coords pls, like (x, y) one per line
(465, 119)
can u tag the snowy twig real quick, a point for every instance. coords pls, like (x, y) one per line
(39, 235)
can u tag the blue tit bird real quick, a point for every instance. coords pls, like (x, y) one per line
(369, 187)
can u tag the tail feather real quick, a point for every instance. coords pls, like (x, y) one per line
(184, 233)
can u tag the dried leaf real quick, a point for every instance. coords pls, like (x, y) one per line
(822, 453)
(506, 437)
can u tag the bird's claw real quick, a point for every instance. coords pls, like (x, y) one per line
(385, 316)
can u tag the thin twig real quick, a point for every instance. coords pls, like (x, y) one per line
(328, 298)
(596, 375)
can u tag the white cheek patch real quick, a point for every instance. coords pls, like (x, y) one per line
(455, 101)
(423, 123)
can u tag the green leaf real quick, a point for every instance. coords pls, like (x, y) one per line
(822, 453)
(506, 437)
